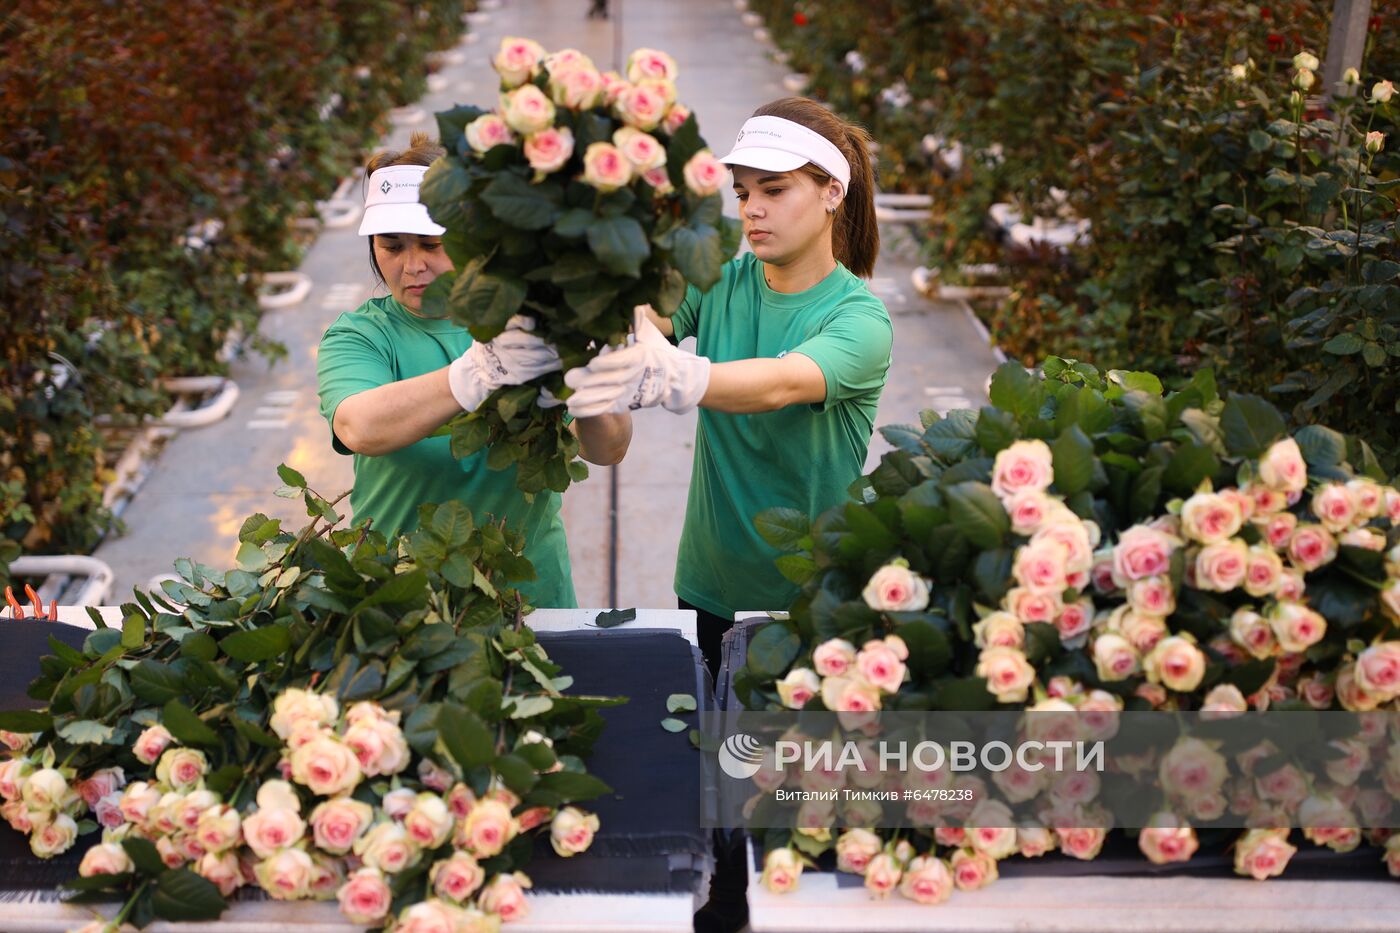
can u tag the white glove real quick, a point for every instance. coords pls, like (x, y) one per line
(649, 372)
(513, 358)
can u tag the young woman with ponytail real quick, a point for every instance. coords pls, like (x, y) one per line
(792, 351)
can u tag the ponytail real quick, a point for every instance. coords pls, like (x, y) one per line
(855, 234)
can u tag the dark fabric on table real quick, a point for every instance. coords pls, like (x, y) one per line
(650, 839)
(1120, 854)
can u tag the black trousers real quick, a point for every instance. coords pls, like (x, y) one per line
(710, 629)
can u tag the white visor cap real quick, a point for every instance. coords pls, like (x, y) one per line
(777, 145)
(392, 205)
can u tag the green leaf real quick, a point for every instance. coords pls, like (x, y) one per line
(180, 894)
(198, 645)
(930, 652)
(772, 649)
(1190, 464)
(1074, 461)
(680, 703)
(613, 617)
(468, 740)
(1250, 425)
(25, 720)
(977, 514)
(186, 727)
(572, 785)
(133, 631)
(699, 255)
(796, 568)
(254, 733)
(525, 707)
(258, 644)
(488, 303)
(1344, 344)
(1321, 446)
(155, 682)
(673, 725)
(86, 732)
(574, 224)
(783, 528)
(1136, 382)
(1016, 390)
(516, 772)
(620, 244)
(290, 477)
(144, 855)
(518, 203)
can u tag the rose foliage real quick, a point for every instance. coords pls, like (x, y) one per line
(340, 716)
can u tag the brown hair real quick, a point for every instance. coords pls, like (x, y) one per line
(422, 150)
(855, 235)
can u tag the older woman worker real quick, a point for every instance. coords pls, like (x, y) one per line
(390, 376)
(793, 351)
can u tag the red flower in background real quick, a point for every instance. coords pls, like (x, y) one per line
(1374, 24)
(799, 19)
(1275, 42)
(1179, 20)
(1265, 13)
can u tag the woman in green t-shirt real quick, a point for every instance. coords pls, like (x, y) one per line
(792, 351)
(390, 376)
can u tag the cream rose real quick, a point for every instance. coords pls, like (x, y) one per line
(799, 686)
(605, 167)
(1311, 546)
(1209, 518)
(181, 768)
(1335, 507)
(327, 766)
(1282, 467)
(429, 823)
(1192, 769)
(505, 897)
(365, 897)
(675, 118)
(151, 743)
(643, 150)
(99, 784)
(927, 880)
(1378, 670)
(1263, 853)
(1176, 663)
(1263, 571)
(1221, 567)
(1041, 567)
(896, 588)
(1081, 842)
(578, 88)
(660, 182)
(1296, 627)
(387, 847)
(999, 629)
(517, 60)
(1009, 675)
(527, 110)
(487, 829)
(644, 103)
(222, 870)
(880, 665)
(1278, 529)
(286, 875)
(572, 830)
(106, 858)
(1142, 551)
(267, 831)
(1253, 633)
(46, 789)
(854, 850)
(219, 828)
(457, 878)
(54, 837)
(651, 63)
(834, 658)
(972, 870)
(336, 824)
(1029, 606)
(1114, 657)
(1152, 596)
(294, 707)
(882, 875)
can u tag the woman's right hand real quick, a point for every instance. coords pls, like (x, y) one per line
(513, 357)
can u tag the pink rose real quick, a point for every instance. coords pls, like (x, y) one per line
(572, 831)
(99, 784)
(219, 828)
(1286, 785)
(294, 708)
(151, 743)
(1028, 510)
(973, 870)
(107, 858)
(1152, 596)
(1142, 552)
(799, 686)
(460, 800)
(641, 149)
(605, 167)
(54, 837)
(109, 811)
(1081, 842)
(1029, 606)
(1114, 657)
(577, 88)
(1279, 529)
(1296, 627)
(457, 878)
(1312, 546)
(505, 897)
(675, 118)
(1034, 841)
(487, 132)
(1263, 853)
(336, 824)
(882, 875)
(1176, 663)
(567, 60)
(138, 800)
(1334, 507)
(644, 104)
(1223, 698)
(1101, 572)
(13, 774)
(1378, 670)
(1210, 518)
(927, 880)
(19, 741)
(880, 666)
(1040, 567)
(222, 870)
(327, 766)
(991, 829)
(387, 847)
(704, 174)
(659, 180)
(429, 823)
(365, 897)
(549, 150)
(613, 86)
(851, 695)
(1368, 539)
(1282, 468)
(181, 768)
(1263, 571)
(1253, 633)
(267, 831)
(650, 63)
(1192, 769)
(854, 850)
(398, 802)
(1167, 839)
(1000, 629)
(430, 916)
(526, 110)
(834, 658)
(286, 875)
(1025, 465)
(487, 829)
(1221, 567)
(535, 816)
(1009, 675)
(1368, 495)
(517, 61)
(1316, 692)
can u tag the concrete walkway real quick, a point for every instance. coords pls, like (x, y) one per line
(208, 480)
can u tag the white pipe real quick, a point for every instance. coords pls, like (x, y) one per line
(407, 116)
(299, 286)
(99, 575)
(217, 410)
(128, 466)
(891, 215)
(761, 35)
(339, 212)
(883, 199)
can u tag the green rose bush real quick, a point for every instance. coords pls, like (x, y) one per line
(581, 196)
(340, 717)
(1090, 545)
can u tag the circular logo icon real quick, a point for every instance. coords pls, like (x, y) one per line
(740, 756)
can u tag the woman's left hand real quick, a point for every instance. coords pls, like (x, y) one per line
(650, 372)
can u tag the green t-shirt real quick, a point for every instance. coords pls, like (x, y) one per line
(379, 343)
(801, 456)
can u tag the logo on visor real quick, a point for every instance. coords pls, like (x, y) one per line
(386, 186)
(740, 756)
